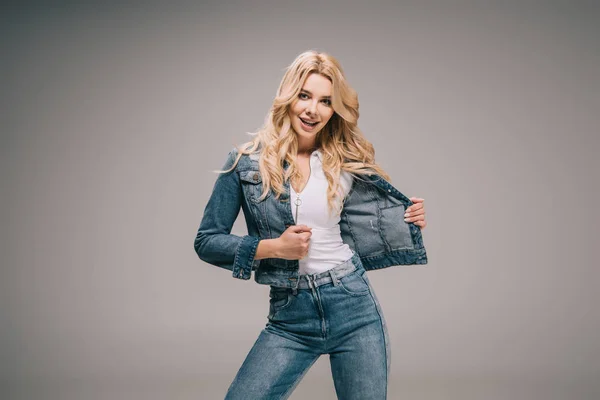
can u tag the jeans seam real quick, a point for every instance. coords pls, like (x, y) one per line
(385, 342)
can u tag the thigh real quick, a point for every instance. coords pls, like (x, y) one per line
(272, 368)
(360, 358)
(359, 367)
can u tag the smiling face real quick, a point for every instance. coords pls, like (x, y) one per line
(311, 111)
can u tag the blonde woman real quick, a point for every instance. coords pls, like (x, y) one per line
(320, 213)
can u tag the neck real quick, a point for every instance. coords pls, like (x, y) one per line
(306, 152)
(306, 147)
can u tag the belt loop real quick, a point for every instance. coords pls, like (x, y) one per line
(333, 277)
(295, 291)
(310, 283)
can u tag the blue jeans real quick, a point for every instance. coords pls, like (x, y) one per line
(334, 312)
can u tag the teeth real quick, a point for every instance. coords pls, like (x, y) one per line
(308, 123)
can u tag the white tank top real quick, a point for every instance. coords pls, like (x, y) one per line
(326, 248)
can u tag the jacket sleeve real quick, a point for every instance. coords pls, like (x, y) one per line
(214, 242)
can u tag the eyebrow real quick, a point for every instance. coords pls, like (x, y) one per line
(304, 90)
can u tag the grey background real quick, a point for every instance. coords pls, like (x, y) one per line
(113, 117)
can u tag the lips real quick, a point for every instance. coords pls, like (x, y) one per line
(309, 122)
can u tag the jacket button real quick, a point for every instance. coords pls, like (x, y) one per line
(255, 176)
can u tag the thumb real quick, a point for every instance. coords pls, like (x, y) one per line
(300, 228)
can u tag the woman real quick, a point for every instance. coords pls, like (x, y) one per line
(319, 212)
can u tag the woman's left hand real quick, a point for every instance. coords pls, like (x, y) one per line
(416, 213)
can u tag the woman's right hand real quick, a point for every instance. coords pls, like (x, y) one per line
(293, 242)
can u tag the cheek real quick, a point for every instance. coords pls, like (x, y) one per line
(297, 108)
(327, 115)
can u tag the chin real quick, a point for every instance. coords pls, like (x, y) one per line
(306, 135)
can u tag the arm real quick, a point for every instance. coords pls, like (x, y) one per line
(214, 242)
(267, 248)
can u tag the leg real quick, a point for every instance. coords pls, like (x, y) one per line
(359, 367)
(360, 363)
(272, 369)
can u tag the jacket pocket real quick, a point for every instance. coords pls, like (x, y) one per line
(252, 185)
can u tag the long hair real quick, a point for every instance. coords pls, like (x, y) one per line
(341, 142)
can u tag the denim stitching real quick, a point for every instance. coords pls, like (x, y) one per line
(386, 342)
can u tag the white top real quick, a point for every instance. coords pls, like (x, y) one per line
(326, 249)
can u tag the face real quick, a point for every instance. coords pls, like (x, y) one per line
(311, 111)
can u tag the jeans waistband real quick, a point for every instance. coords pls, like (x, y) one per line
(331, 275)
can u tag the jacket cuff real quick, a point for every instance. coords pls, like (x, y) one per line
(244, 257)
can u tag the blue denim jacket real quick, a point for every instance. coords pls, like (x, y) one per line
(372, 224)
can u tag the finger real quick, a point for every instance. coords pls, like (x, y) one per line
(416, 218)
(300, 228)
(421, 224)
(416, 206)
(417, 199)
(412, 213)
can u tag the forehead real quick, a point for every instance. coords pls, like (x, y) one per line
(318, 85)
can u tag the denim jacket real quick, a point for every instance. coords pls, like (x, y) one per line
(372, 224)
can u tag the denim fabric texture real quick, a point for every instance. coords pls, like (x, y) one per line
(372, 224)
(334, 312)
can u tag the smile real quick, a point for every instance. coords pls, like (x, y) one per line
(308, 124)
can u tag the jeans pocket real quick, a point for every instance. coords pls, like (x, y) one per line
(279, 299)
(354, 284)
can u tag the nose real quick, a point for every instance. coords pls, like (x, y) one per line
(311, 109)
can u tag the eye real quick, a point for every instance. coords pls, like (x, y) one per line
(328, 102)
(303, 94)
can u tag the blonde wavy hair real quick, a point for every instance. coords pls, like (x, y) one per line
(341, 142)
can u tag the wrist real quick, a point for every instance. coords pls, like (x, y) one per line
(275, 247)
(267, 248)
